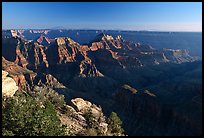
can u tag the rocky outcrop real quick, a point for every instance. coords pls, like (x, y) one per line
(129, 88)
(48, 80)
(80, 105)
(42, 40)
(178, 56)
(20, 59)
(9, 86)
(37, 57)
(65, 51)
(60, 41)
(77, 120)
(88, 69)
(96, 45)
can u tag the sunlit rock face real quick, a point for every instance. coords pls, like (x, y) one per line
(8, 85)
(77, 122)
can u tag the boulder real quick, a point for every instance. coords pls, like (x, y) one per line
(80, 105)
(8, 85)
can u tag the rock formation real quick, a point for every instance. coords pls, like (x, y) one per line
(77, 121)
(26, 79)
(88, 69)
(38, 57)
(42, 40)
(8, 85)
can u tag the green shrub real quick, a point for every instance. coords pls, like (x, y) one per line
(23, 116)
(90, 120)
(114, 124)
(42, 94)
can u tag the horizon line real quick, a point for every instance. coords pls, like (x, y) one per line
(103, 30)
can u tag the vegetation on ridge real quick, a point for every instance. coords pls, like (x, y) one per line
(24, 116)
(37, 114)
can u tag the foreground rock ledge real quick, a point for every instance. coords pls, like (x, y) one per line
(8, 85)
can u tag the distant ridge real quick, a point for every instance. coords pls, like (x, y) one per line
(58, 27)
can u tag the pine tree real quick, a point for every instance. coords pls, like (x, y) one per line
(114, 124)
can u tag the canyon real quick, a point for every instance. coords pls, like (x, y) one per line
(154, 91)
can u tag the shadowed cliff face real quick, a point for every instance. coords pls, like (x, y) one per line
(155, 92)
(150, 116)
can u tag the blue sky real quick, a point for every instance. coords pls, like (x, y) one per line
(156, 16)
